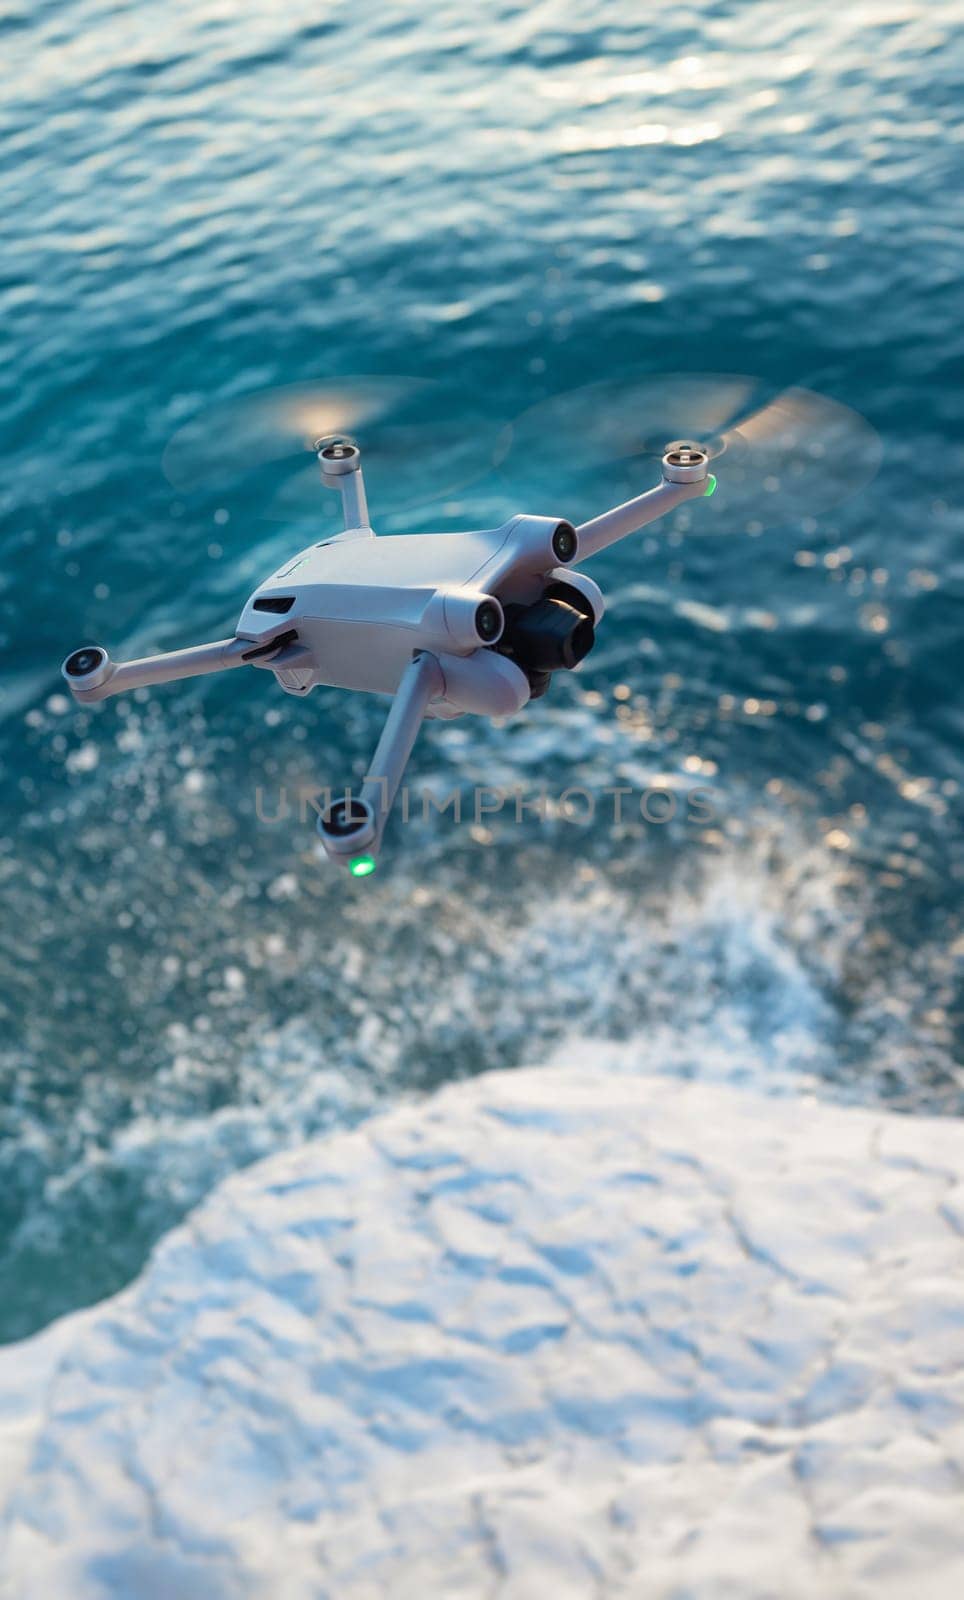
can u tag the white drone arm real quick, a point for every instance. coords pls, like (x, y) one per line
(92, 675)
(421, 682)
(685, 477)
(603, 531)
(357, 822)
(340, 462)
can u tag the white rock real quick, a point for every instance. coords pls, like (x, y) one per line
(552, 1333)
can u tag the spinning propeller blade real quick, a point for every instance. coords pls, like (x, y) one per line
(413, 452)
(786, 454)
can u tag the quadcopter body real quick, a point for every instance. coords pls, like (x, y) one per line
(362, 607)
(448, 624)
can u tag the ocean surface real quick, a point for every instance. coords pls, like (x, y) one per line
(204, 200)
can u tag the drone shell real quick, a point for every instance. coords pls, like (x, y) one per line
(363, 606)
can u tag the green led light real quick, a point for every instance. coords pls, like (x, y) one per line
(710, 485)
(361, 866)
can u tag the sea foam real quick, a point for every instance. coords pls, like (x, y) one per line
(562, 1331)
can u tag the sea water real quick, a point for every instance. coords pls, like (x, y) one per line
(206, 200)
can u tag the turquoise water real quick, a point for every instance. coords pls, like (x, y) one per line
(518, 201)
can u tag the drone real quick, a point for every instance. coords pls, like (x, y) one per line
(448, 624)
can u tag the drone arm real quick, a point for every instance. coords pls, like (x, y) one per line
(92, 675)
(421, 682)
(356, 823)
(635, 514)
(354, 502)
(340, 461)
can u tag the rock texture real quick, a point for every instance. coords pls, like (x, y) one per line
(552, 1333)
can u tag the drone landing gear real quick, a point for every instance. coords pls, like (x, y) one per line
(351, 829)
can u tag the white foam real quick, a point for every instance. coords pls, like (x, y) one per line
(566, 1331)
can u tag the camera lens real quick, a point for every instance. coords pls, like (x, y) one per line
(83, 661)
(547, 635)
(564, 542)
(488, 621)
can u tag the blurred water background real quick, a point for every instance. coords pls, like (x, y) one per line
(208, 198)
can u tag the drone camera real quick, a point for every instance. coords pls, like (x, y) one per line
(462, 619)
(546, 637)
(488, 621)
(88, 667)
(540, 543)
(565, 542)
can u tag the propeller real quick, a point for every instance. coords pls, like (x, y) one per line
(782, 454)
(414, 451)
